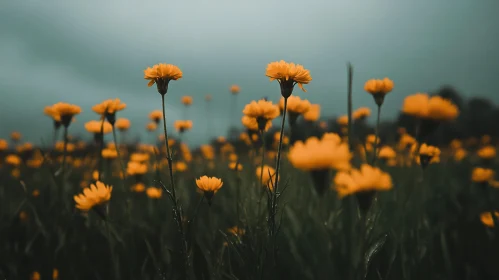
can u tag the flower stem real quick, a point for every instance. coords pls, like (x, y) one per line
(375, 149)
(176, 208)
(272, 223)
(64, 152)
(123, 171)
(350, 126)
(101, 147)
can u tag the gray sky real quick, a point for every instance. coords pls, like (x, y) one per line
(83, 52)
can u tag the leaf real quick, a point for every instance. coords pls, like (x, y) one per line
(199, 263)
(372, 251)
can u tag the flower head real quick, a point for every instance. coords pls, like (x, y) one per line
(487, 219)
(209, 185)
(51, 112)
(361, 113)
(109, 106)
(96, 127)
(186, 100)
(96, 194)
(266, 175)
(436, 108)
(182, 126)
(313, 113)
(315, 154)
(487, 152)
(154, 192)
(252, 123)
(428, 154)
(378, 87)
(235, 89)
(482, 175)
(295, 105)
(288, 74)
(66, 112)
(122, 124)
(261, 109)
(156, 116)
(367, 178)
(162, 74)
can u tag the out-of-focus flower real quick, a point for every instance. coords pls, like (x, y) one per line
(487, 152)
(186, 100)
(122, 124)
(235, 89)
(482, 175)
(154, 192)
(361, 113)
(96, 127)
(367, 178)
(181, 126)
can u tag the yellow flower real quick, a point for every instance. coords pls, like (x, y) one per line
(342, 120)
(35, 276)
(96, 126)
(15, 136)
(313, 113)
(435, 108)
(460, 154)
(235, 89)
(261, 109)
(387, 152)
(182, 126)
(267, 177)
(162, 74)
(487, 219)
(59, 146)
(153, 192)
(180, 166)
(236, 231)
(156, 116)
(322, 154)
(34, 162)
(151, 126)
(232, 166)
(456, 144)
(482, 175)
(295, 105)
(109, 153)
(110, 106)
(207, 151)
(252, 123)
(66, 112)
(139, 187)
(368, 178)
(361, 113)
(13, 160)
(277, 137)
(379, 87)
(51, 112)
(96, 194)
(122, 124)
(209, 185)
(405, 141)
(487, 152)
(221, 139)
(288, 74)
(136, 168)
(186, 100)
(4, 145)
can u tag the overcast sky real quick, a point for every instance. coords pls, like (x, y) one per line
(83, 52)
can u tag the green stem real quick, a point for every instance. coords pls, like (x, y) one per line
(101, 161)
(375, 148)
(64, 152)
(350, 106)
(176, 208)
(264, 186)
(123, 170)
(274, 198)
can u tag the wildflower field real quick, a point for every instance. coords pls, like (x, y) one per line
(314, 197)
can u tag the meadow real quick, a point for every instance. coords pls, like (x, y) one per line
(313, 198)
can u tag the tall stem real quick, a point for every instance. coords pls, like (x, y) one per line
(272, 225)
(123, 171)
(264, 186)
(350, 126)
(176, 208)
(375, 149)
(64, 152)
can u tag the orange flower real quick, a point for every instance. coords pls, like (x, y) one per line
(66, 112)
(252, 123)
(267, 177)
(96, 127)
(487, 152)
(482, 175)
(288, 75)
(487, 219)
(96, 194)
(379, 87)
(186, 100)
(261, 109)
(361, 113)
(342, 120)
(387, 152)
(428, 154)
(322, 154)
(162, 74)
(136, 168)
(182, 126)
(367, 178)
(13, 160)
(122, 124)
(235, 89)
(4, 145)
(110, 106)
(295, 105)
(233, 165)
(138, 188)
(180, 166)
(154, 193)
(109, 153)
(207, 151)
(436, 108)
(313, 113)
(51, 112)
(209, 185)
(156, 116)
(15, 136)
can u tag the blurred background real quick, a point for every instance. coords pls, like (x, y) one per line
(86, 51)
